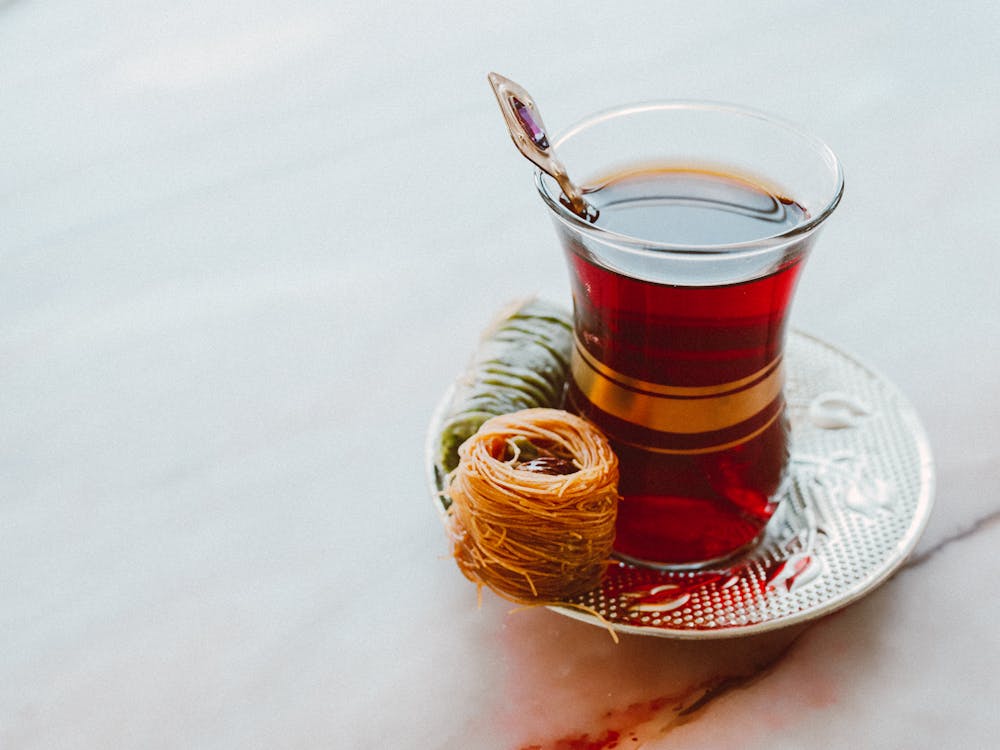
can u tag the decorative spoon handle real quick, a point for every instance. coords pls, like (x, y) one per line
(527, 130)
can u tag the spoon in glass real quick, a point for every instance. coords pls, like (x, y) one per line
(527, 130)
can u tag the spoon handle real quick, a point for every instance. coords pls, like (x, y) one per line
(524, 122)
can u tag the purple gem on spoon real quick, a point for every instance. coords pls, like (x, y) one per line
(531, 127)
(524, 123)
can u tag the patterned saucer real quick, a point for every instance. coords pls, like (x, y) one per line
(859, 496)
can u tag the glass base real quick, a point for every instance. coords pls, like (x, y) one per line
(720, 561)
(727, 556)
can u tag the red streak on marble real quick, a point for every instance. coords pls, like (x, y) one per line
(567, 686)
(619, 729)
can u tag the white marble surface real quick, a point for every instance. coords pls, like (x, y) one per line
(246, 245)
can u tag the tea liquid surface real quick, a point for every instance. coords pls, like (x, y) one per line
(691, 207)
(686, 380)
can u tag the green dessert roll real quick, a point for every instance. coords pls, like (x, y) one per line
(522, 362)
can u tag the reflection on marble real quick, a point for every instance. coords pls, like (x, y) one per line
(773, 690)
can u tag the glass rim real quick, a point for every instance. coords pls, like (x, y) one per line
(632, 243)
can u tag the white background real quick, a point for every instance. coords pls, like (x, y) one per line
(245, 246)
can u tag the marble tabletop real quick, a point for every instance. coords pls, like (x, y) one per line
(247, 245)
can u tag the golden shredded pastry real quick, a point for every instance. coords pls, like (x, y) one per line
(534, 537)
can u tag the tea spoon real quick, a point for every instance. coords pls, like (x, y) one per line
(527, 130)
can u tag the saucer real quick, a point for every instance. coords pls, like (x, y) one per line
(859, 494)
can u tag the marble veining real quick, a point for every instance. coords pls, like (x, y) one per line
(245, 247)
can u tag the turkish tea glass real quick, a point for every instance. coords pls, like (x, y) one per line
(679, 346)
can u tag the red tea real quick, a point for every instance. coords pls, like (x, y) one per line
(686, 378)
